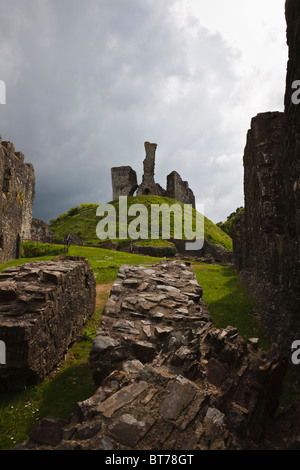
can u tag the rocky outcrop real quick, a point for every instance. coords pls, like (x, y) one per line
(167, 378)
(17, 192)
(43, 307)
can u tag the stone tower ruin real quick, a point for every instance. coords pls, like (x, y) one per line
(124, 181)
(17, 182)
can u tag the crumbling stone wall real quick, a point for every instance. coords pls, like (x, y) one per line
(41, 232)
(167, 378)
(179, 190)
(291, 175)
(266, 237)
(17, 192)
(43, 307)
(264, 197)
(124, 181)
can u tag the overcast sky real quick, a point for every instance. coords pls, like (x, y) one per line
(89, 81)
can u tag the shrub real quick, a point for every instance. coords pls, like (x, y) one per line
(34, 250)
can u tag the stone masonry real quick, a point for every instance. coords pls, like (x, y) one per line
(266, 237)
(124, 181)
(17, 192)
(167, 378)
(43, 307)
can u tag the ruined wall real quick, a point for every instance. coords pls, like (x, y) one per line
(260, 243)
(124, 181)
(17, 192)
(179, 190)
(291, 174)
(43, 307)
(266, 239)
(263, 191)
(166, 378)
(41, 232)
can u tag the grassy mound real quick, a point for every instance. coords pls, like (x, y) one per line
(82, 221)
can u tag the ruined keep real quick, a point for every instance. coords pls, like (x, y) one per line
(124, 181)
(266, 239)
(17, 182)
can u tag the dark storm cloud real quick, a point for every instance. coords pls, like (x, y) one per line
(89, 81)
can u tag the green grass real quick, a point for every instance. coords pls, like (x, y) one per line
(55, 396)
(33, 250)
(228, 301)
(82, 221)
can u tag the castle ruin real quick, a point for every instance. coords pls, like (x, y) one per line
(266, 237)
(17, 182)
(124, 181)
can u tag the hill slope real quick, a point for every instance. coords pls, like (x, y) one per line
(82, 221)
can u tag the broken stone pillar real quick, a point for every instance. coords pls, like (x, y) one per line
(124, 181)
(148, 185)
(43, 307)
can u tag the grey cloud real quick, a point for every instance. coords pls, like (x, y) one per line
(89, 81)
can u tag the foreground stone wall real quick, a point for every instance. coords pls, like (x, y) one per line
(17, 192)
(291, 277)
(167, 378)
(43, 307)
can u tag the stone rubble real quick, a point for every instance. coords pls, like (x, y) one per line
(167, 378)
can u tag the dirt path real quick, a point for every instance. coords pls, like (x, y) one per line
(102, 294)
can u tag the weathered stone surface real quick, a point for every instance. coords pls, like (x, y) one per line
(17, 192)
(205, 388)
(44, 305)
(148, 185)
(171, 298)
(267, 233)
(41, 232)
(124, 181)
(179, 190)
